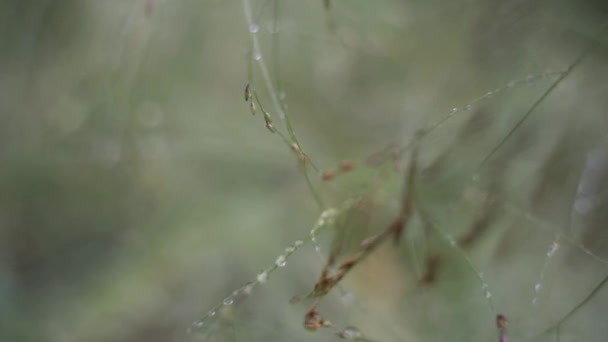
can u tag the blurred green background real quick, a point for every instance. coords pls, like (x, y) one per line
(138, 190)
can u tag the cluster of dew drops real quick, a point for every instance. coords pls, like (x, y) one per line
(281, 260)
(246, 290)
(531, 79)
(539, 286)
(254, 28)
(240, 294)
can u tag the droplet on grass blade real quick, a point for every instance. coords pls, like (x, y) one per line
(350, 333)
(262, 277)
(530, 79)
(553, 249)
(451, 240)
(248, 289)
(281, 261)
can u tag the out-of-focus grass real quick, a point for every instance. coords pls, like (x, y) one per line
(138, 191)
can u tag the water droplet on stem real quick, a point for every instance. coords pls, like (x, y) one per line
(350, 333)
(262, 277)
(281, 261)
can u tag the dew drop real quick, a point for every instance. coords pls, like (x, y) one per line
(290, 249)
(534, 300)
(257, 55)
(329, 213)
(484, 286)
(262, 277)
(198, 324)
(531, 79)
(298, 243)
(350, 333)
(451, 240)
(488, 94)
(281, 262)
(453, 110)
(228, 301)
(248, 289)
(488, 295)
(538, 287)
(211, 313)
(318, 248)
(553, 249)
(253, 28)
(468, 107)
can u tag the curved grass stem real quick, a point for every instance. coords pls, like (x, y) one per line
(291, 138)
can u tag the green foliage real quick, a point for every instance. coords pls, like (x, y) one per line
(411, 171)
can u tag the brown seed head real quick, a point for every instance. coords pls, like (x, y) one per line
(313, 321)
(501, 321)
(346, 165)
(328, 175)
